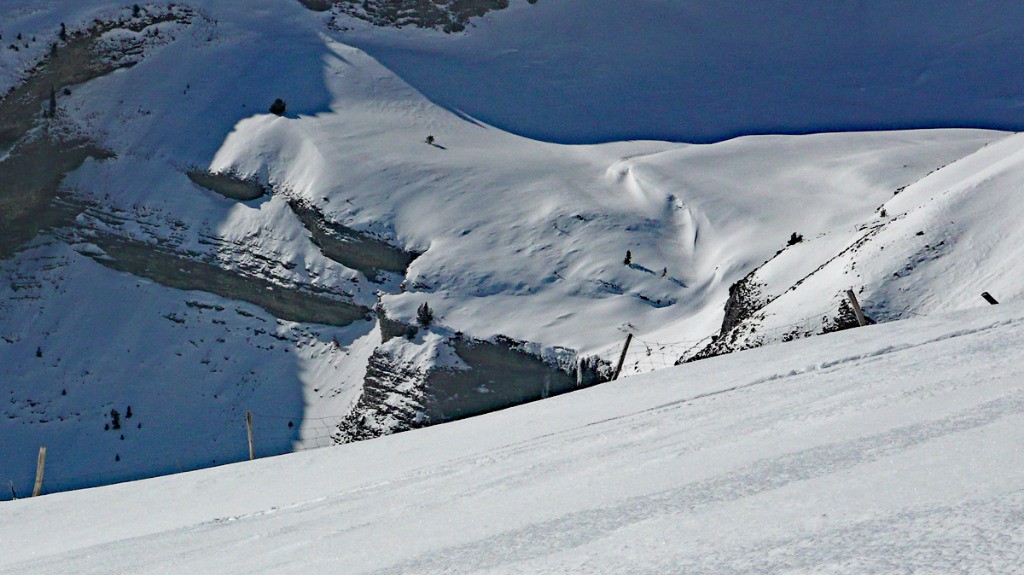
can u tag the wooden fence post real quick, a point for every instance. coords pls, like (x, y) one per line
(40, 465)
(988, 297)
(248, 428)
(622, 357)
(861, 320)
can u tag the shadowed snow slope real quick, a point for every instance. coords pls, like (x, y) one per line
(598, 70)
(893, 447)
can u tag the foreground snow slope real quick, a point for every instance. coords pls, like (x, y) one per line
(892, 448)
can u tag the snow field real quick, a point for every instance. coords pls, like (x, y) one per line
(887, 448)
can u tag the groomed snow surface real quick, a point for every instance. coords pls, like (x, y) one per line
(894, 448)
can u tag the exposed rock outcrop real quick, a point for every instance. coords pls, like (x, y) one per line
(446, 15)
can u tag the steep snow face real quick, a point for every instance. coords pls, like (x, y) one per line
(888, 448)
(935, 246)
(975, 251)
(578, 71)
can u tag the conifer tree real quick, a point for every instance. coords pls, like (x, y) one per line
(425, 315)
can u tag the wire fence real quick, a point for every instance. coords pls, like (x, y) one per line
(145, 469)
(273, 434)
(644, 356)
(276, 434)
(311, 433)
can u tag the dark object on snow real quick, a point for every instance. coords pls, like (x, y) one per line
(424, 315)
(128, 413)
(117, 458)
(39, 352)
(795, 239)
(430, 140)
(115, 419)
(278, 107)
(629, 258)
(135, 10)
(988, 297)
(63, 33)
(53, 103)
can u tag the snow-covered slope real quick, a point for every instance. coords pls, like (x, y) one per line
(893, 448)
(154, 291)
(935, 246)
(602, 70)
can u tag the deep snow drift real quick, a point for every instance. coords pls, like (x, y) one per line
(892, 448)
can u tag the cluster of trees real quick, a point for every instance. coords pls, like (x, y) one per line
(115, 419)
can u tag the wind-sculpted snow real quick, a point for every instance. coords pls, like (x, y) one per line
(899, 451)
